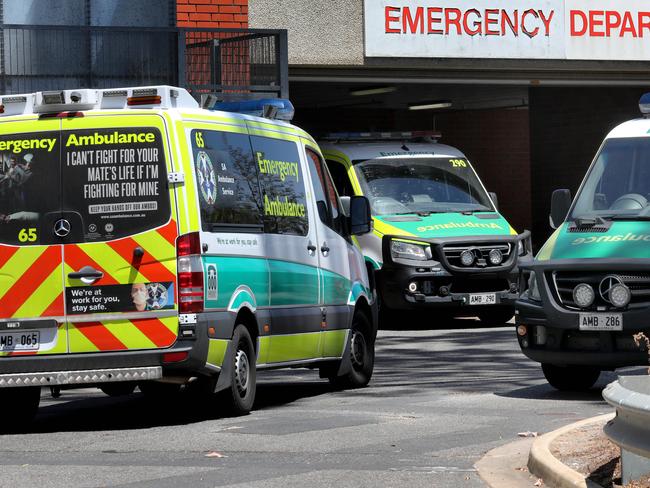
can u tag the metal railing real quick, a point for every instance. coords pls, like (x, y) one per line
(630, 429)
(233, 62)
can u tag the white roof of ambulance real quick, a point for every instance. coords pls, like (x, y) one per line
(361, 150)
(631, 128)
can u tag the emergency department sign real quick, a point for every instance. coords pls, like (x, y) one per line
(515, 29)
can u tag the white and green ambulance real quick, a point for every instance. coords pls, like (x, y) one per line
(439, 241)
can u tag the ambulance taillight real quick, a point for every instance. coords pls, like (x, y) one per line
(190, 273)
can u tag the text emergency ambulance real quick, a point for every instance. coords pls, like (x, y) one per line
(147, 241)
(589, 293)
(439, 241)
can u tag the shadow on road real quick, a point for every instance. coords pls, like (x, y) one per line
(81, 410)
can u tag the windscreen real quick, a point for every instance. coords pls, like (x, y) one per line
(618, 183)
(417, 185)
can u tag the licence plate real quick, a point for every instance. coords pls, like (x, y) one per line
(483, 299)
(601, 321)
(24, 340)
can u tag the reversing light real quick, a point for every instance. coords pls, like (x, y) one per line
(190, 274)
(620, 295)
(583, 295)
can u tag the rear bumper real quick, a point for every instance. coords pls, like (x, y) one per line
(87, 376)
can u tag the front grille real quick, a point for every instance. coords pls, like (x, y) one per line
(481, 252)
(563, 283)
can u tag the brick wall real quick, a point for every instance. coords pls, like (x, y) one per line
(212, 13)
(497, 143)
(567, 126)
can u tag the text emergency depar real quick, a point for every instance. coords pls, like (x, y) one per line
(471, 22)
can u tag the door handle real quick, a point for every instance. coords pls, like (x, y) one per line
(87, 274)
(324, 249)
(311, 248)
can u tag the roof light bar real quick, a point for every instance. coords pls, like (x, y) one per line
(382, 136)
(53, 97)
(644, 105)
(114, 93)
(145, 92)
(271, 108)
(14, 100)
(143, 100)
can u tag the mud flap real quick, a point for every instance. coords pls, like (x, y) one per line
(225, 376)
(345, 366)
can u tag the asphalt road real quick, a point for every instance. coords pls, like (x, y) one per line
(439, 399)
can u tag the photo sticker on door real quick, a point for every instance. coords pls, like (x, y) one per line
(211, 273)
(136, 297)
(207, 178)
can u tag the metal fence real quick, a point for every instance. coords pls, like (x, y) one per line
(238, 63)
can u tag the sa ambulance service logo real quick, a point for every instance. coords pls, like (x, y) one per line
(207, 178)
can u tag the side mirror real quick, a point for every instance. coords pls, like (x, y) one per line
(495, 200)
(360, 219)
(560, 204)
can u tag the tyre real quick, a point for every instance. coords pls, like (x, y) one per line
(362, 355)
(570, 378)
(238, 399)
(20, 405)
(117, 389)
(496, 315)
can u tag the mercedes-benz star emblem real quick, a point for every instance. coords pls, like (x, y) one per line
(62, 228)
(606, 284)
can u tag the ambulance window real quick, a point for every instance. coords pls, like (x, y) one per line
(326, 198)
(226, 179)
(282, 183)
(340, 176)
(114, 182)
(30, 187)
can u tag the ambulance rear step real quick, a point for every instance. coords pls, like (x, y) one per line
(83, 377)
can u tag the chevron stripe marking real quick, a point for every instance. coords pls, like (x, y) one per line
(156, 331)
(6, 252)
(100, 336)
(30, 280)
(149, 266)
(115, 263)
(77, 258)
(169, 232)
(56, 308)
(15, 267)
(39, 301)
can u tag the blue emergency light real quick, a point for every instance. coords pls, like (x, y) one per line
(270, 108)
(644, 105)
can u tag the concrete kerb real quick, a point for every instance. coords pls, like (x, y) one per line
(555, 474)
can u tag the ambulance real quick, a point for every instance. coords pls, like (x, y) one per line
(586, 307)
(147, 240)
(439, 242)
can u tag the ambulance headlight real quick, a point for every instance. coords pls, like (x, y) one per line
(408, 250)
(583, 295)
(533, 289)
(619, 295)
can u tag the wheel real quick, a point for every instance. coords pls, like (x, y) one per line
(239, 397)
(496, 315)
(362, 355)
(570, 378)
(118, 389)
(20, 405)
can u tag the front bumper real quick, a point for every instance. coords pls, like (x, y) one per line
(407, 284)
(553, 331)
